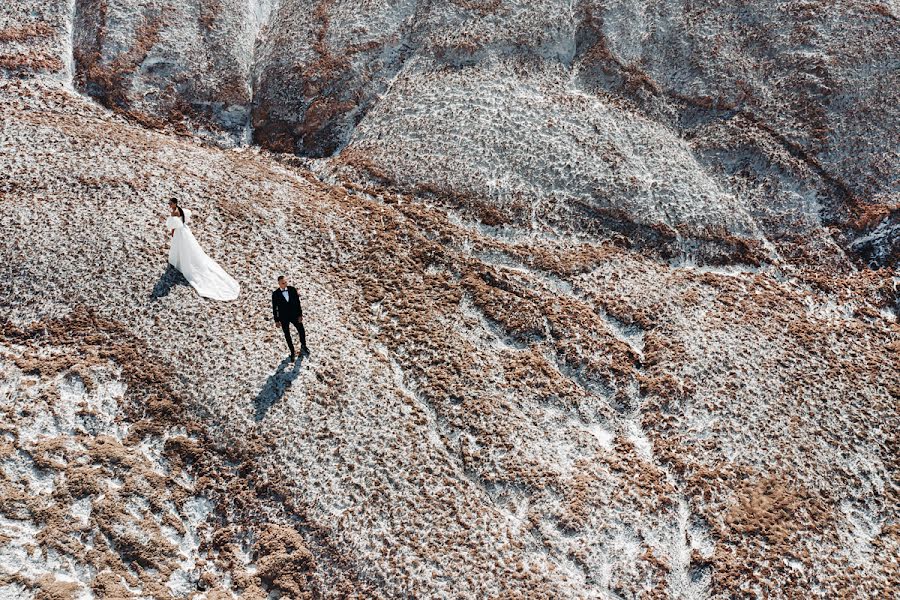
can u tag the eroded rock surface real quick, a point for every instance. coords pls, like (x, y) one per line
(531, 394)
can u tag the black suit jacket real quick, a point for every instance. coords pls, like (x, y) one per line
(286, 311)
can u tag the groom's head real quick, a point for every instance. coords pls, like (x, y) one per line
(282, 282)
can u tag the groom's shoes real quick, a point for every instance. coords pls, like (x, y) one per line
(293, 357)
(304, 351)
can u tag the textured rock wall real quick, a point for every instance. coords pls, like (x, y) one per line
(722, 133)
(321, 68)
(796, 101)
(185, 65)
(36, 40)
(820, 76)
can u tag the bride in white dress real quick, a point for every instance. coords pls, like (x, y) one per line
(186, 255)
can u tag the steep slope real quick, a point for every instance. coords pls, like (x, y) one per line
(482, 415)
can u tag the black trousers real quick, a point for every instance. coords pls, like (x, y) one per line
(286, 327)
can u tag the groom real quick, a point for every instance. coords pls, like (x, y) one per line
(287, 311)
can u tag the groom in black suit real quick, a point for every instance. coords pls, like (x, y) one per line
(287, 311)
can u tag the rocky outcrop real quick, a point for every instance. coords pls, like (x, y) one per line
(721, 134)
(322, 66)
(756, 126)
(794, 102)
(36, 40)
(187, 66)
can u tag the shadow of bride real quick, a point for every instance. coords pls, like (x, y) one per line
(169, 279)
(275, 386)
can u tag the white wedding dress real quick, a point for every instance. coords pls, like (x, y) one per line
(186, 255)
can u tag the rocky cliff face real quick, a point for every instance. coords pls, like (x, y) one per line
(602, 300)
(689, 128)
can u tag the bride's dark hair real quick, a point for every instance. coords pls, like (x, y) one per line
(180, 212)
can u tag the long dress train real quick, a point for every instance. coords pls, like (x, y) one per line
(186, 255)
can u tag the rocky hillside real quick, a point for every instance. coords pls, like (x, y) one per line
(602, 300)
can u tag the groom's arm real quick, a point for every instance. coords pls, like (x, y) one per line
(292, 291)
(275, 307)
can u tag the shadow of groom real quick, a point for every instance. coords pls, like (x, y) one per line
(275, 386)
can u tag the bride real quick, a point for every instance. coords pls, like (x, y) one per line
(186, 255)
